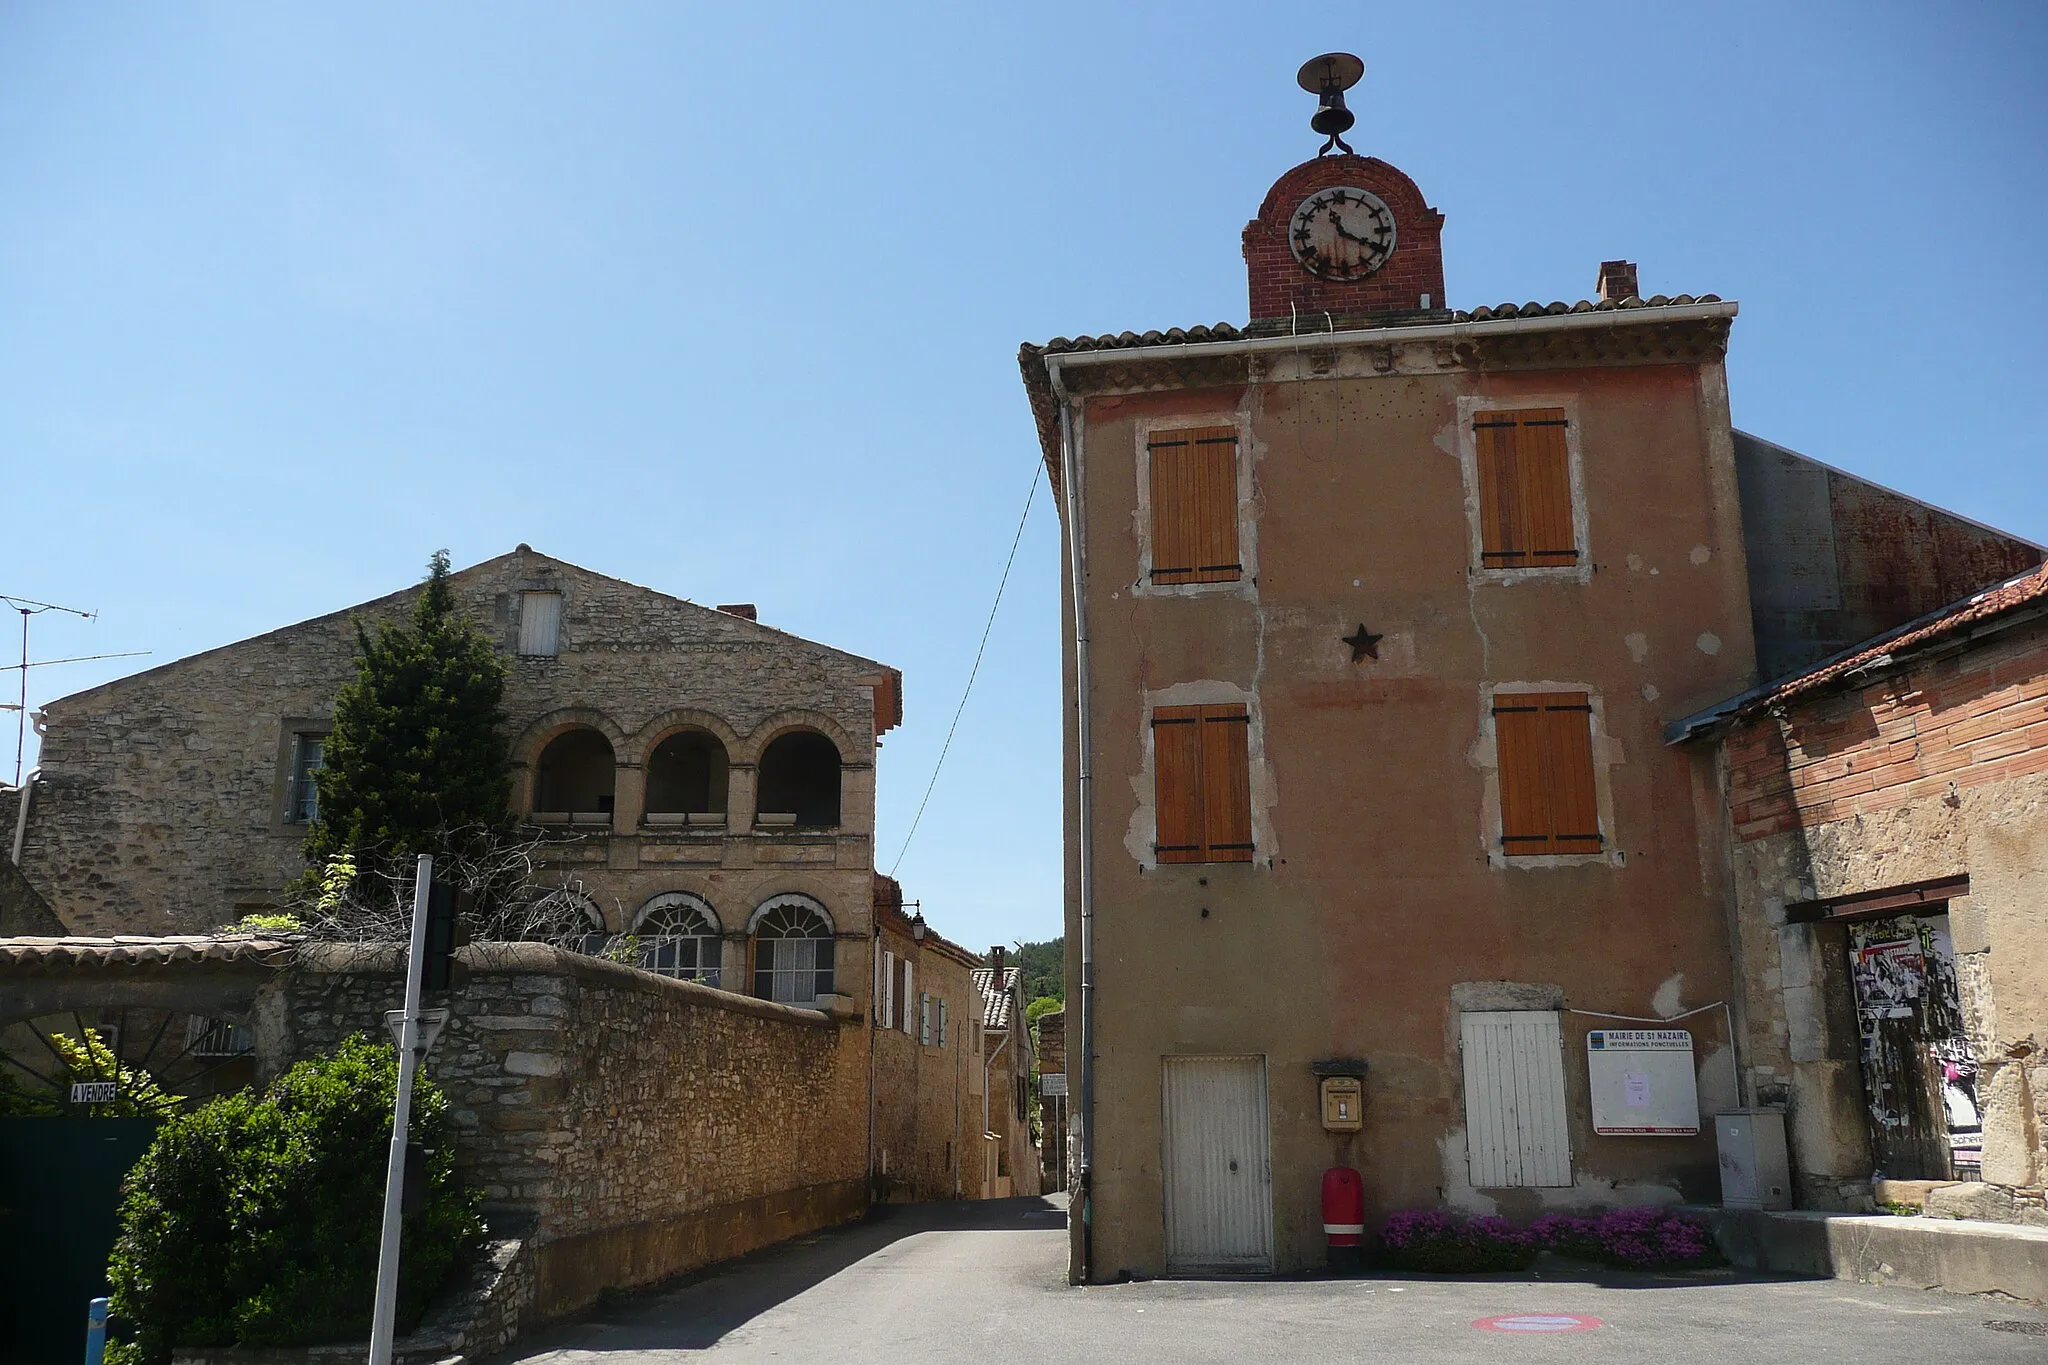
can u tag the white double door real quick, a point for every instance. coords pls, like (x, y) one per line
(1217, 1165)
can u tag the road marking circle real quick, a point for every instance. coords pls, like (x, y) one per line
(1538, 1323)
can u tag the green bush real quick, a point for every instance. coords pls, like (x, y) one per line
(254, 1220)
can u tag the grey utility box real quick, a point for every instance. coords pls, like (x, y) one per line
(1754, 1171)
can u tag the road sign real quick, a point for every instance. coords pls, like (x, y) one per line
(1052, 1083)
(94, 1092)
(1539, 1323)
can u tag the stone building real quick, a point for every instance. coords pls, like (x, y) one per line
(1375, 612)
(703, 784)
(1888, 817)
(1051, 1036)
(926, 1094)
(706, 782)
(1005, 1046)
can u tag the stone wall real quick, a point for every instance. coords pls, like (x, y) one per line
(163, 805)
(1938, 771)
(633, 1127)
(926, 1123)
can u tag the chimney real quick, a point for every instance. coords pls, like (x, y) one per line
(995, 960)
(1618, 281)
(745, 610)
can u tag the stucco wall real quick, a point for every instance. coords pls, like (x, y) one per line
(1936, 772)
(1376, 889)
(639, 1126)
(162, 804)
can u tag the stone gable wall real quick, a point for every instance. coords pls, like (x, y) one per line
(162, 803)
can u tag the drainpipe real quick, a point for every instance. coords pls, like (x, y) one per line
(874, 958)
(28, 791)
(1084, 807)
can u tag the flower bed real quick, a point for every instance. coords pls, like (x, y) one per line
(1440, 1242)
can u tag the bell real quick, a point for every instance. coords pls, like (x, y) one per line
(1331, 117)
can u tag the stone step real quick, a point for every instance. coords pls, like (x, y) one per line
(1961, 1256)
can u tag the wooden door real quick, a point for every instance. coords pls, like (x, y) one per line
(1216, 1165)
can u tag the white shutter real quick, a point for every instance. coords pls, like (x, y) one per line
(540, 624)
(909, 996)
(888, 990)
(1515, 1128)
(875, 998)
(942, 1021)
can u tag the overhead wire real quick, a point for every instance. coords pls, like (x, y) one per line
(1018, 539)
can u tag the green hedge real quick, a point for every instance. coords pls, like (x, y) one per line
(254, 1220)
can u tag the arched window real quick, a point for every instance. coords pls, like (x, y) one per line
(793, 951)
(579, 923)
(678, 935)
(686, 775)
(572, 779)
(799, 777)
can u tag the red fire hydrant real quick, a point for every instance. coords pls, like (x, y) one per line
(1344, 1217)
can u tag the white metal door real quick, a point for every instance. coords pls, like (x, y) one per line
(1216, 1164)
(1515, 1128)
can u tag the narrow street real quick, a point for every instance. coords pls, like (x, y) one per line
(956, 1282)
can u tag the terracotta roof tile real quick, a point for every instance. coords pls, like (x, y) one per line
(995, 999)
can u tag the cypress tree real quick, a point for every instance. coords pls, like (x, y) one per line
(417, 756)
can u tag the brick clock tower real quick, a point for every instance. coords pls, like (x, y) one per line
(1343, 238)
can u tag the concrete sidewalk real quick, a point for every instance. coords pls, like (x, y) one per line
(1957, 1255)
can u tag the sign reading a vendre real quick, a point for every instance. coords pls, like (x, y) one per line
(94, 1092)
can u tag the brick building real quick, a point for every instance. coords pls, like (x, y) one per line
(1376, 612)
(1888, 813)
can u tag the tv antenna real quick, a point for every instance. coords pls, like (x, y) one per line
(29, 607)
(1327, 78)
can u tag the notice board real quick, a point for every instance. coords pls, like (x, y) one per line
(1643, 1082)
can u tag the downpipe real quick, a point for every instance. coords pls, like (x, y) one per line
(1083, 1203)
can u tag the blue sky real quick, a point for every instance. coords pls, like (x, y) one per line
(726, 299)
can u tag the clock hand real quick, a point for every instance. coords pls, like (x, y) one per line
(1338, 223)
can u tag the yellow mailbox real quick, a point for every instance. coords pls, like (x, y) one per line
(1343, 1104)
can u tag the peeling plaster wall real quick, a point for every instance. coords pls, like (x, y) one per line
(1938, 772)
(1373, 892)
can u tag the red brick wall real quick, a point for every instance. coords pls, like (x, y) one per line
(1971, 719)
(1416, 267)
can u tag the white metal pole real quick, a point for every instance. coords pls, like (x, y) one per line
(385, 1317)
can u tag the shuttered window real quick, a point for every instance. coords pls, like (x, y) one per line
(1202, 784)
(1544, 747)
(1194, 505)
(540, 624)
(909, 997)
(1525, 490)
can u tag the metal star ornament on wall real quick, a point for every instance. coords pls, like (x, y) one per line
(1365, 644)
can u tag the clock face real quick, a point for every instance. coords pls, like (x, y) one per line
(1342, 233)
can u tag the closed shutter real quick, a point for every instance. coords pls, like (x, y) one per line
(1543, 745)
(942, 1022)
(881, 989)
(540, 624)
(888, 990)
(909, 995)
(1525, 489)
(1194, 505)
(1515, 1133)
(1201, 768)
(1216, 1165)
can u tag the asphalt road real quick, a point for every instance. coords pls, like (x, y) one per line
(984, 1282)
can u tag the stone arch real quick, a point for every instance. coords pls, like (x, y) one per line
(782, 722)
(795, 950)
(543, 730)
(665, 723)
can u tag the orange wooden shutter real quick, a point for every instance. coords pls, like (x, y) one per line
(1226, 784)
(1525, 489)
(1201, 782)
(1177, 783)
(1194, 505)
(1543, 749)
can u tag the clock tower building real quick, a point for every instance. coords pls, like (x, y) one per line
(1344, 239)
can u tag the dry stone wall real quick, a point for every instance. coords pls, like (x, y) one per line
(632, 1126)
